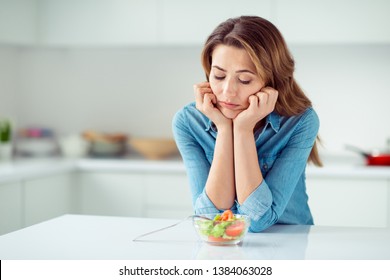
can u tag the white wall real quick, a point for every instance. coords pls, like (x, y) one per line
(349, 86)
(18, 21)
(9, 62)
(137, 90)
(133, 90)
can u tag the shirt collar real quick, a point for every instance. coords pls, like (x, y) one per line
(272, 119)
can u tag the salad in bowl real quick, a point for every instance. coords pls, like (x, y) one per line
(222, 229)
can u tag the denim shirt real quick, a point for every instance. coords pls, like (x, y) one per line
(283, 147)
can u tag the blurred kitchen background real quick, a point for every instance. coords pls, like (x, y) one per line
(129, 65)
(126, 66)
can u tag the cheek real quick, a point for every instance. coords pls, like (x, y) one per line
(216, 88)
(245, 100)
(245, 95)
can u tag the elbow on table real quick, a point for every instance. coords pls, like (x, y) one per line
(263, 223)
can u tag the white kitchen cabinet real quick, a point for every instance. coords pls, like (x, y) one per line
(190, 22)
(103, 22)
(10, 207)
(134, 194)
(349, 202)
(47, 197)
(111, 194)
(167, 196)
(176, 22)
(18, 22)
(338, 196)
(138, 22)
(332, 21)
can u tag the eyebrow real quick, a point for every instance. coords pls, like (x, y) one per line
(238, 71)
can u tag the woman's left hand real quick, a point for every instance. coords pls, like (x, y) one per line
(260, 105)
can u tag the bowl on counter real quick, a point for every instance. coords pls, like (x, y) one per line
(153, 148)
(36, 147)
(36, 142)
(106, 144)
(215, 231)
(74, 146)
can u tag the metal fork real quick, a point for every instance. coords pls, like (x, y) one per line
(170, 226)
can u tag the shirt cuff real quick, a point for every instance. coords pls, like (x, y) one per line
(204, 205)
(257, 203)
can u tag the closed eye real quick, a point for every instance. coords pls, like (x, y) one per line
(219, 77)
(245, 82)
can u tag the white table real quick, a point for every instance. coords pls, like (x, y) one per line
(98, 237)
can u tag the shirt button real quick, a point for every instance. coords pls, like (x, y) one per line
(265, 166)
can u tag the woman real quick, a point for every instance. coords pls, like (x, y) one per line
(246, 140)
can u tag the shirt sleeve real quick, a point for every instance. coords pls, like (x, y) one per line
(195, 161)
(269, 200)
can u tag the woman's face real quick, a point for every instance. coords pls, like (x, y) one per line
(233, 78)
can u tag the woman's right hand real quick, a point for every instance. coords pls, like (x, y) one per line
(205, 103)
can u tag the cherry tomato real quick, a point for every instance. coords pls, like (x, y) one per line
(227, 215)
(235, 229)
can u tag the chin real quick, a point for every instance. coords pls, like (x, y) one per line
(230, 114)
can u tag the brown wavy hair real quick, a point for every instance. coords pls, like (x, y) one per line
(273, 61)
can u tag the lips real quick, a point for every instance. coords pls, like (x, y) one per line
(228, 105)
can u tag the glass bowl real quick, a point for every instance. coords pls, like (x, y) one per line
(215, 232)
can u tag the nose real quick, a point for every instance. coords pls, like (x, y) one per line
(229, 88)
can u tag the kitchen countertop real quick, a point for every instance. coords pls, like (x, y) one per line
(21, 169)
(99, 237)
(31, 168)
(26, 168)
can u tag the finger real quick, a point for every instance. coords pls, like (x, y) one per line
(208, 99)
(203, 84)
(207, 103)
(253, 101)
(273, 97)
(213, 98)
(268, 89)
(200, 92)
(198, 97)
(272, 94)
(263, 98)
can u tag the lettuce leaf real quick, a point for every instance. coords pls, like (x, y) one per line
(219, 229)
